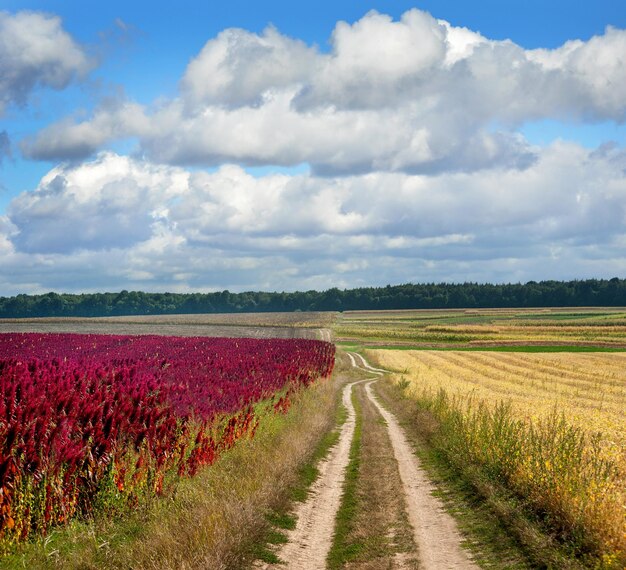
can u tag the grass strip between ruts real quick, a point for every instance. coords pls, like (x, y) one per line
(341, 550)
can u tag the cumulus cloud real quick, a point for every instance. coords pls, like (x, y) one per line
(155, 227)
(71, 140)
(598, 67)
(376, 60)
(417, 172)
(237, 67)
(7, 230)
(333, 142)
(416, 95)
(36, 51)
(112, 202)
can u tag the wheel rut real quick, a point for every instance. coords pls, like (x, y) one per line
(434, 531)
(309, 543)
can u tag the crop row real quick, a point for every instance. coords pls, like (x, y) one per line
(548, 427)
(93, 423)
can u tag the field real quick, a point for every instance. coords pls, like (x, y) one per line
(245, 325)
(523, 407)
(94, 424)
(589, 388)
(601, 328)
(550, 426)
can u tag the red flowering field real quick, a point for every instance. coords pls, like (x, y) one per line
(92, 423)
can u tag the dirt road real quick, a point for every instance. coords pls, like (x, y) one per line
(309, 543)
(434, 531)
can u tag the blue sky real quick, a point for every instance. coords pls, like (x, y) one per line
(139, 92)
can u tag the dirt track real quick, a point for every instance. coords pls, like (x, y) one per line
(310, 541)
(434, 530)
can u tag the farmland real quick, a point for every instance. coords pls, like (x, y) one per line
(529, 400)
(602, 328)
(247, 325)
(529, 419)
(97, 423)
(590, 388)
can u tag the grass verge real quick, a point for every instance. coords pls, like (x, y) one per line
(505, 529)
(280, 517)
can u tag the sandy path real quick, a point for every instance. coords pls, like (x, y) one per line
(435, 531)
(309, 543)
(436, 534)
(325, 335)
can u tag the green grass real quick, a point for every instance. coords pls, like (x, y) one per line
(282, 520)
(342, 550)
(513, 348)
(262, 551)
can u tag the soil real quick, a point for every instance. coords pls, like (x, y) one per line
(435, 531)
(380, 533)
(277, 325)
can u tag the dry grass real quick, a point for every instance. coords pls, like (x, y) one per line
(589, 388)
(529, 419)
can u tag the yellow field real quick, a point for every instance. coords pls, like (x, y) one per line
(551, 426)
(589, 388)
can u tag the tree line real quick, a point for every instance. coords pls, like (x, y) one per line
(579, 293)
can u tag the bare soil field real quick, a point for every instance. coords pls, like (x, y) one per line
(251, 325)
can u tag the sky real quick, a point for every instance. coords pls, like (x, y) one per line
(281, 146)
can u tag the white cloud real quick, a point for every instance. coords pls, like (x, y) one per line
(36, 51)
(70, 140)
(107, 203)
(460, 42)
(7, 230)
(417, 172)
(373, 60)
(415, 95)
(597, 67)
(237, 67)
(118, 223)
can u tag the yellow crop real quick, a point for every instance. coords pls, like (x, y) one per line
(553, 425)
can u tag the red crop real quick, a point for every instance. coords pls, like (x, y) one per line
(93, 419)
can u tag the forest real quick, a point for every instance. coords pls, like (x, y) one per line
(578, 293)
